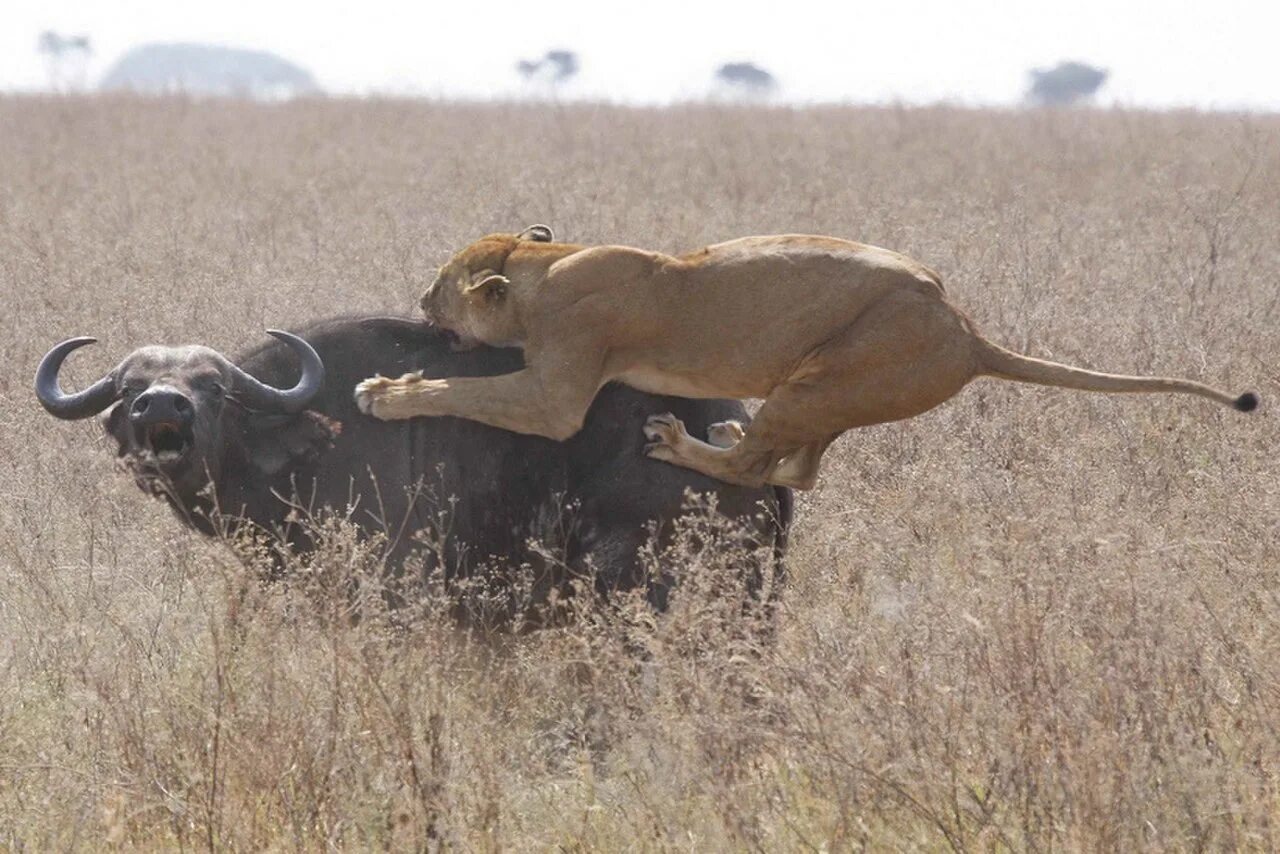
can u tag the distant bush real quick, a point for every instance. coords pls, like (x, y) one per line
(1065, 83)
(746, 77)
(555, 66)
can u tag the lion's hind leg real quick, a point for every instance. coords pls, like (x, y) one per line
(800, 469)
(780, 430)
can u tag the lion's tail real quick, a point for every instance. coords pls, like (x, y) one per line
(998, 362)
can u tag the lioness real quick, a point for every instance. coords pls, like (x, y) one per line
(832, 334)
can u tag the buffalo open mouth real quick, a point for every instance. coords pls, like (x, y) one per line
(165, 441)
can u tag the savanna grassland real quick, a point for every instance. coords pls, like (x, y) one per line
(1030, 619)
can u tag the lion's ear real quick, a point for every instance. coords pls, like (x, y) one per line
(538, 234)
(489, 285)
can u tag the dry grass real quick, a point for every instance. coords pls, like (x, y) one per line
(1030, 619)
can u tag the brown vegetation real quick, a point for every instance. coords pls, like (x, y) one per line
(1030, 618)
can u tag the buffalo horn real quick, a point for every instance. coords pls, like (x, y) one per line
(257, 395)
(81, 404)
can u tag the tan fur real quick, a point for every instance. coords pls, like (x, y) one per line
(832, 334)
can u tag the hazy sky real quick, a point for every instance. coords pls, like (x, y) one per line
(1159, 52)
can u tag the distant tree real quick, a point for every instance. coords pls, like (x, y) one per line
(746, 78)
(555, 66)
(564, 63)
(1065, 83)
(66, 59)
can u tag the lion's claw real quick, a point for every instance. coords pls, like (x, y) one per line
(660, 451)
(664, 428)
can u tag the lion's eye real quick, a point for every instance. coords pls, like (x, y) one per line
(217, 390)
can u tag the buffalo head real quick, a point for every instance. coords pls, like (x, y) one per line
(170, 418)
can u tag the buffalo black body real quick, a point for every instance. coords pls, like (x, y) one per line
(479, 493)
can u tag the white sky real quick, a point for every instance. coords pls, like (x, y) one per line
(1159, 52)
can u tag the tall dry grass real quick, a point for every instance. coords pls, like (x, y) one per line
(1030, 619)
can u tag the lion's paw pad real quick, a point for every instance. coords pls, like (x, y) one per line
(725, 434)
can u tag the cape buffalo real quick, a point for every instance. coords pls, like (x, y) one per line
(188, 417)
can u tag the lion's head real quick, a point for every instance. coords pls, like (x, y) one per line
(471, 296)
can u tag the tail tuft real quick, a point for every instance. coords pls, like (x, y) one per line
(1247, 402)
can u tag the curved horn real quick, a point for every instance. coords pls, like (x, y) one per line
(81, 404)
(538, 234)
(258, 395)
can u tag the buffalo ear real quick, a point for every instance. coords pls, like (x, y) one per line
(538, 234)
(274, 443)
(114, 423)
(489, 285)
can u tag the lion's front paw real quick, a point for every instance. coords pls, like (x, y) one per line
(367, 392)
(387, 398)
(665, 433)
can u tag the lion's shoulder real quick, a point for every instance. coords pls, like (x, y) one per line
(610, 262)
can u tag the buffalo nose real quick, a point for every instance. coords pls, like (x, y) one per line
(161, 404)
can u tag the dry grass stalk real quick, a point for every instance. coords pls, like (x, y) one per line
(1029, 619)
